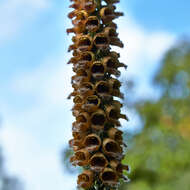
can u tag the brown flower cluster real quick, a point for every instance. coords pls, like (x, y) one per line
(97, 142)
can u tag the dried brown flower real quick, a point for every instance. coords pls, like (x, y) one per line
(97, 142)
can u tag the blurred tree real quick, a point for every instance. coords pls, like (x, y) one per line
(160, 154)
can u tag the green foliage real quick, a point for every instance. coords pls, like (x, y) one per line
(159, 156)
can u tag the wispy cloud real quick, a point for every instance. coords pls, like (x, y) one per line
(33, 137)
(143, 53)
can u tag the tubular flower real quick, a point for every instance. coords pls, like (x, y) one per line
(97, 142)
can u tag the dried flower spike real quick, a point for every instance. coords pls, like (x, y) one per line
(97, 143)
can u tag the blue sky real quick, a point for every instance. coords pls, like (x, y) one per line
(35, 80)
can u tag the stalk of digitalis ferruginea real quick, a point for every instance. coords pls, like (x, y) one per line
(97, 142)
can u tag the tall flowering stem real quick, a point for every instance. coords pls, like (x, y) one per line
(97, 142)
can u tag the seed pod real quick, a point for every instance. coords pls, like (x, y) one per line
(113, 36)
(116, 135)
(101, 41)
(98, 70)
(92, 24)
(98, 162)
(91, 104)
(89, 5)
(80, 77)
(78, 100)
(115, 86)
(86, 179)
(84, 43)
(81, 17)
(111, 148)
(111, 65)
(76, 145)
(107, 14)
(103, 89)
(113, 114)
(82, 122)
(86, 89)
(72, 14)
(77, 29)
(98, 120)
(75, 5)
(85, 60)
(92, 142)
(118, 167)
(80, 158)
(109, 177)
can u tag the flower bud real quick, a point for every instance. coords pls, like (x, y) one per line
(86, 179)
(92, 142)
(98, 119)
(98, 162)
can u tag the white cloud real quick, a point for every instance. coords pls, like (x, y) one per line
(143, 49)
(27, 159)
(50, 82)
(142, 53)
(33, 137)
(14, 14)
